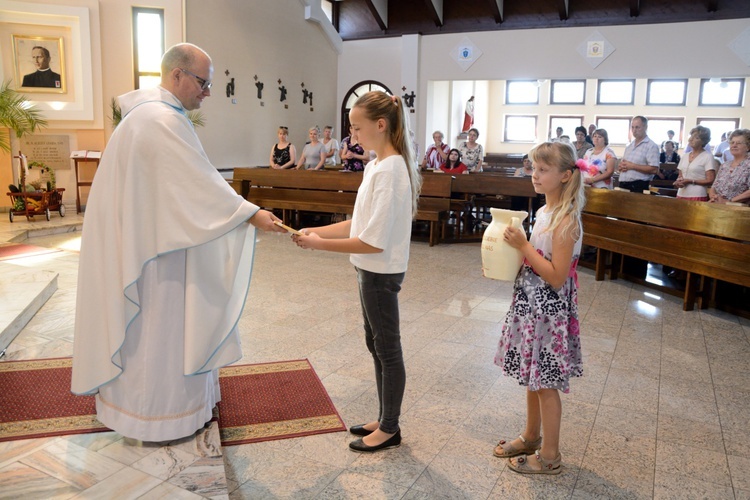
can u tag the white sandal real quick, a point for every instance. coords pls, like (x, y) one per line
(506, 450)
(548, 466)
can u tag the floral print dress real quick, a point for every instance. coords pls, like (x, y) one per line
(539, 343)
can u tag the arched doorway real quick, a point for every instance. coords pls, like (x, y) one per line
(351, 97)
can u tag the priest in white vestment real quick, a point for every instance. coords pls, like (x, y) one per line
(165, 264)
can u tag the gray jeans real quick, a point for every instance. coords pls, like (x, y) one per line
(378, 294)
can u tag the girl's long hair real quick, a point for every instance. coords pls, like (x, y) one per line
(376, 105)
(448, 163)
(572, 196)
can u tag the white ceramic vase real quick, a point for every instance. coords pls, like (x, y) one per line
(500, 261)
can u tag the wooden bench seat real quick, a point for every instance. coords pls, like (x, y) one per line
(704, 239)
(293, 191)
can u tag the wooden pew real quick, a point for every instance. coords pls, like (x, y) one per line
(505, 163)
(704, 239)
(294, 190)
(434, 202)
(482, 189)
(332, 192)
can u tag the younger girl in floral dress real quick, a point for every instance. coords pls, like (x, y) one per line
(539, 344)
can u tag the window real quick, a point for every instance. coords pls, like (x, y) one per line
(658, 127)
(567, 92)
(721, 91)
(666, 92)
(719, 126)
(520, 128)
(148, 46)
(618, 129)
(351, 97)
(568, 124)
(522, 92)
(615, 92)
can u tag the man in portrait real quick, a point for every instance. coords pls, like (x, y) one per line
(43, 76)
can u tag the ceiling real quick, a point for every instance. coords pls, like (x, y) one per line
(360, 19)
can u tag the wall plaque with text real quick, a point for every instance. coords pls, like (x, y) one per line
(52, 150)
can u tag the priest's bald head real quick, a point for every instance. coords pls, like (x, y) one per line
(186, 71)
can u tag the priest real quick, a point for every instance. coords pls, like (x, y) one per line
(165, 264)
(43, 76)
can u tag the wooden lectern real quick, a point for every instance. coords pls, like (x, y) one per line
(84, 157)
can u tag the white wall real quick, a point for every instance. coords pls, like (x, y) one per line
(681, 50)
(370, 60)
(270, 39)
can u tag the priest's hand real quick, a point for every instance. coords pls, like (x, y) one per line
(263, 219)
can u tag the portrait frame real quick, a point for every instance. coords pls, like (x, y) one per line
(24, 65)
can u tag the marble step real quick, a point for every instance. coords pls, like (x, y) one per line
(23, 292)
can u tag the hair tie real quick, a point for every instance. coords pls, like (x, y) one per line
(394, 99)
(581, 164)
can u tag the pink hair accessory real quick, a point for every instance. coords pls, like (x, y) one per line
(581, 164)
(394, 99)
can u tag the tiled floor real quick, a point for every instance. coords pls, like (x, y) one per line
(662, 411)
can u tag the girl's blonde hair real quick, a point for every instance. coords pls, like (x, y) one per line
(377, 105)
(572, 196)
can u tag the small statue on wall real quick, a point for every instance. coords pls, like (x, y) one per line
(306, 94)
(282, 89)
(230, 87)
(259, 86)
(409, 99)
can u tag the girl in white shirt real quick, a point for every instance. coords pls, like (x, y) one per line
(378, 237)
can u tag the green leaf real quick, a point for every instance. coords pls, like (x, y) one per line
(18, 115)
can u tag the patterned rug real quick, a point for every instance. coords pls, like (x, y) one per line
(260, 402)
(17, 250)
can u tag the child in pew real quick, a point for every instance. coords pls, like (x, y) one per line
(378, 238)
(539, 344)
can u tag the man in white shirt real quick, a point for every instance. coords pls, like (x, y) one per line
(721, 152)
(331, 146)
(640, 161)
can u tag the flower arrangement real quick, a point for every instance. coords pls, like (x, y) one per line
(43, 168)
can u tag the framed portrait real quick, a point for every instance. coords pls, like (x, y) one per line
(39, 64)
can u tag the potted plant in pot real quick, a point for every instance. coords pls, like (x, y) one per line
(194, 116)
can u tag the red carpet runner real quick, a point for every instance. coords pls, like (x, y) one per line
(259, 402)
(17, 250)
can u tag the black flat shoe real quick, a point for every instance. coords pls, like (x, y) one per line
(391, 442)
(359, 430)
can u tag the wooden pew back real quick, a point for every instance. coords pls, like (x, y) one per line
(326, 180)
(334, 192)
(697, 216)
(491, 184)
(704, 239)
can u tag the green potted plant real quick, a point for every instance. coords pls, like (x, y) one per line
(17, 115)
(194, 116)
